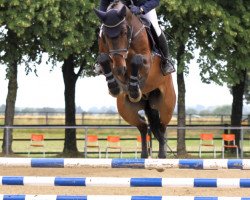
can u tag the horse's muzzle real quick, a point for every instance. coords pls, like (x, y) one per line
(120, 71)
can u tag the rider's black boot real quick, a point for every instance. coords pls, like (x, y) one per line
(167, 66)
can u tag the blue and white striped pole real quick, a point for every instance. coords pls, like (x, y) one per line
(125, 182)
(127, 163)
(113, 197)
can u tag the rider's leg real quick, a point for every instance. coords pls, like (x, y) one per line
(168, 66)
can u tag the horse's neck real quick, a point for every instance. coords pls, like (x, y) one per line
(139, 36)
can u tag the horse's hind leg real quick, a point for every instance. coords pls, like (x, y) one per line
(158, 129)
(143, 131)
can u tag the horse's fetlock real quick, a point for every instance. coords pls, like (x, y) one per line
(144, 154)
(162, 155)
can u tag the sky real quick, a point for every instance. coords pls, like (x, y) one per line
(47, 90)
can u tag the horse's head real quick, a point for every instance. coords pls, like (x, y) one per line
(117, 33)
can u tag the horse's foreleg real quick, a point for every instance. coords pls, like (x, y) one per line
(133, 88)
(105, 62)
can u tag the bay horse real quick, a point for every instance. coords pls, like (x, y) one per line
(133, 74)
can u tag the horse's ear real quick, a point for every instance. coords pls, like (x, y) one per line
(122, 12)
(100, 14)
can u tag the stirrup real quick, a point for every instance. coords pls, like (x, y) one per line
(167, 67)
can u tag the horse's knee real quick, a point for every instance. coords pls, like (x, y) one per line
(104, 60)
(137, 60)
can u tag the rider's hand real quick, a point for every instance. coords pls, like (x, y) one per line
(135, 10)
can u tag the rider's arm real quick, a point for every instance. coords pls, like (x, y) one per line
(149, 5)
(104, 5)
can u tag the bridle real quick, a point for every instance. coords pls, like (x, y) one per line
(130, 36)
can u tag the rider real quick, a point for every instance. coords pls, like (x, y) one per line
(147, 9)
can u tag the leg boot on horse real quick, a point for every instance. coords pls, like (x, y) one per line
(105, 62)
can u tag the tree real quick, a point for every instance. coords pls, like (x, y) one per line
(226, 53)
(13, 49)
(64, 29)
(180, 52)
(12, 62)
(181, 20)
(70, 38)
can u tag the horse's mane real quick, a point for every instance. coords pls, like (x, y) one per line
(114, 4)
(117, 4)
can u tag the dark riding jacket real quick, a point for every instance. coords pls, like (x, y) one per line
(146, 5)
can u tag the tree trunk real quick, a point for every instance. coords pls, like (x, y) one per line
(69, 78)
(10, 109)
(12, 93)
(181, 143)
(237, 106)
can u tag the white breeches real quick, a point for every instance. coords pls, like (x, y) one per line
(152, 17)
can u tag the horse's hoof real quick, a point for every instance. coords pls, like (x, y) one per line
(135, 96)
(114, 89)
(160, 169)
(114, 92)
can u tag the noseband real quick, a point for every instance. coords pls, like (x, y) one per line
(124, 52)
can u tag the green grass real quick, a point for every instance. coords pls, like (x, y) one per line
(57, 146)
(128, 145)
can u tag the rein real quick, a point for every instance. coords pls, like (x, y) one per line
(120, 52)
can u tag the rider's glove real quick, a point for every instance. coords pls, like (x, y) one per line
(135, 10)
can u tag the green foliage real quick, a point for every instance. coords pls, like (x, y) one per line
(220, 29)
(60, 28)
(225, 49)
(187, 20)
